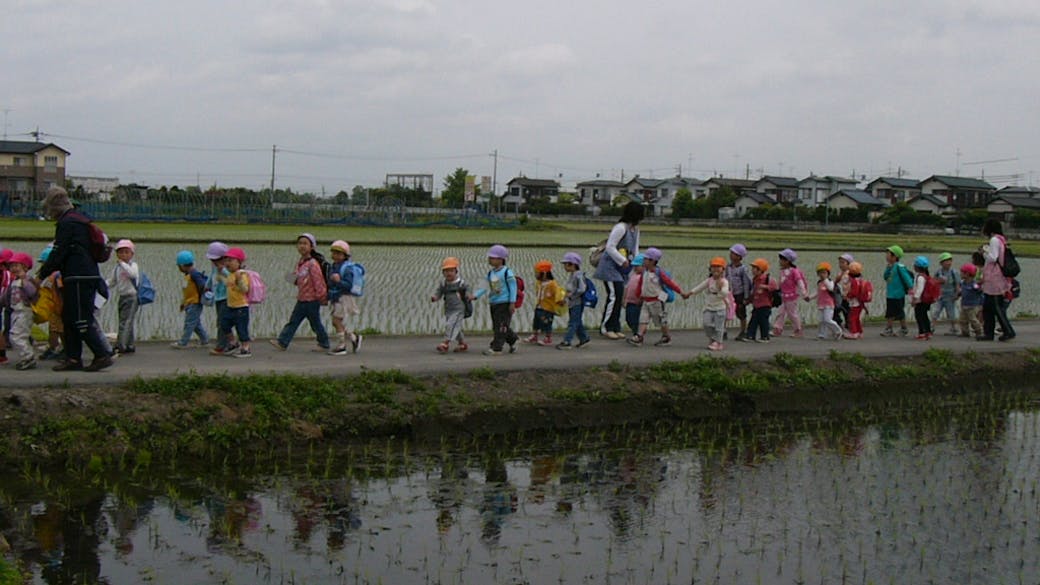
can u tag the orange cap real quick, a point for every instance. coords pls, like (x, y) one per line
(761, 264)
(856, 268)
(543, 266)
(718, 261)
(823, 266)
(450, 262)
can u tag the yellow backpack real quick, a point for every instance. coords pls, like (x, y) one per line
(46, 305)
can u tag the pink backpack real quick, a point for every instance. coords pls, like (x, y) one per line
(257, 289)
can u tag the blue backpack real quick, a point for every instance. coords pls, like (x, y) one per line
(145, 290)
(667, 290)
(589, 298)
(353, 279)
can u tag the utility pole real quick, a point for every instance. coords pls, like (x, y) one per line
(274, 149)
(494, 179)
(6, 111)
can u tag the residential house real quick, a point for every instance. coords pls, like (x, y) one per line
(658, 194)
(959, 192)
(1005, 206)
(599, 193)
(854, 199)
(894, 189)
(783, 189)
(930, 204)
(520, 190)
(27, 170)
(643, 190)
(100, 188)
(813, 191)
(713, 184)
(750, 199)
(1019, 191)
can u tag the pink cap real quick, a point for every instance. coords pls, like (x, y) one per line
(21, 258)
(125, 243)
(236, 253)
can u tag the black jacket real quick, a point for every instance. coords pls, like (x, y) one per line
(71, 252)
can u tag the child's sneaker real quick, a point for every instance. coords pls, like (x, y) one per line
(582, 344)
(797, 335)
(441, 348)
(244, 353)
(3, 359)
(763, 340)
(546, 341)
(888, 332)
(714, 346)
(217, 351)
(178, 345)
(904, 332)
(512, 348)
(564, 345)
(26, 364)
(341, 350)
(665, 340)
(277, 345)
(635, 340)
(532, 339)
(494, 352)
(355, 342)
(461, 348)
(50, 354)
(740, 337)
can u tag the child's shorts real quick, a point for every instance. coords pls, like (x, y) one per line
(345, 305)
(741, 307)
(895, 308)
(653, 311)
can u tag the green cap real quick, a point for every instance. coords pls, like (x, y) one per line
(945, 256)
(897, 251)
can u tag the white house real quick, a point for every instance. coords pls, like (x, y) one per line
(599, 192)
(783, 189)
(929, 204)
(1006, 206)
(894, 189)
(520, 190)
(814, 190)
(751, 199)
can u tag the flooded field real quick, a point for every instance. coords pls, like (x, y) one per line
(401, 278)
(923, 493)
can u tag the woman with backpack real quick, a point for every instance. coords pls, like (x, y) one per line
(76, 254)
(995, 285)
(311, 294)
(622, 244)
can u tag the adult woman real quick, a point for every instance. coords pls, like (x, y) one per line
(622, 244)
(81, 279)
(994, 284)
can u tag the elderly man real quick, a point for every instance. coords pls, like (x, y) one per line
(82, 281)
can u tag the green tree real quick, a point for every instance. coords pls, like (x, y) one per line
(454, 192)
(682, 205)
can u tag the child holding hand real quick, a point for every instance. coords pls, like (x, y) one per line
(824, 296)
(762, 288)
(455, 292)
(18, 298)
(716, 287)
(548, 296)
(652, 292)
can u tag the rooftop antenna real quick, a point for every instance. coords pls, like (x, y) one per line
(6, 111)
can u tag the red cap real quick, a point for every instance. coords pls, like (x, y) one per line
(237, 253)
(21, 258)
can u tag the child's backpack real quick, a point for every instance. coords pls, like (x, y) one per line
(46, 304)
(520, 287)
(352, 278)
(589, 298)
(467, 305)
(257, 288)
(932, 290)
(145, 290)
(777, 299)
(667, 289)
(100, 249)
(866, 291)
(836, 295)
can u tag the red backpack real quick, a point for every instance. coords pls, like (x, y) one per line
(932, 290)
(866, 291)
(519, 292)
(100, 248)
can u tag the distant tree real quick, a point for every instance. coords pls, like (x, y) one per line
(454, 192)
(682, 204)
(341, 198)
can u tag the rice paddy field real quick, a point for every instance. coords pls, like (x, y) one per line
(938, 490)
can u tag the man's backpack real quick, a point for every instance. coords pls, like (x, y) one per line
(100, 248)
(1009, 267)
(589, 298)
(932, 290)
(257, 288)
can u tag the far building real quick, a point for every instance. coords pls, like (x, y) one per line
(520, 190)
(930, 204)
(99, 188)
(658, 194)
(813, 191)
(894, 189)
(599, 193)
(715, 183)
(783, 189)
(959, 192)
(855, 199)
(749, 200)
(1006, 205)
(27, 170)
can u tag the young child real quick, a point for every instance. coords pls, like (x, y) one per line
(762, 288)
(5, 313)
(216, 294)
(634, 304)
(792, 288)
(841, 282)
(924, 324)
(191, 301)
(19, 297)
(898, 283)
(950, 291)
(825, 305)
(549, 296)
(575, 289)
(454, 291)
(51, 287)
(971, 302)
(739, 277)
(124, 280)
(651, 291)
(716, 286)
(501, 293)
(236, 315)
(858, 297)
(311, 294)
(344, 303)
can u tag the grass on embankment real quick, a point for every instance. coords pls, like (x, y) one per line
(207, 416)
(578, 235)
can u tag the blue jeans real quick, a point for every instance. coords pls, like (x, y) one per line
(759, 324)
(632, 311)
(575, 326)
(193, 324)
(237, 318)
(310, 310)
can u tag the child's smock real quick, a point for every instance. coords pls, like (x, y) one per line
(717, 291)
(792, 283)
(501, 286)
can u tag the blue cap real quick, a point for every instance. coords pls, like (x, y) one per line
(638, 260)
(921, 262)
(185, 258)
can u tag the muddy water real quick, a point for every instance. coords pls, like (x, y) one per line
(934, 495)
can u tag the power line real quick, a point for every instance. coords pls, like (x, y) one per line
(153, 146)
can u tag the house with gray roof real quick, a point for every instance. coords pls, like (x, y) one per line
(959, 192)
(520, 190)
(599, 192)
(930, 204)
(814, 191)
(854, 199)
(751, 199)
(783, 189)
(715, 183)
(27, 170)
(1020, 191)
(894, 189)
(1005, 206)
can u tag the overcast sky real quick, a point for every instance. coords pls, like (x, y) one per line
(562, 89)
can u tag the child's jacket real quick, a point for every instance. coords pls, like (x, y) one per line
(310, 282)
(762, 291)
(717, 291)
(792, 283)
(194, 282)
(899, 280)
(548, 293)
(501, 286)
(650, 282)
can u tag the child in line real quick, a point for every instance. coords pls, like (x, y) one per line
(792, 287)
(124, 281)
(344, 303)
(50, 288)
(548, 296)
(971, 302)
(716, 287)
(454, 291)
(501, 293)
(949, 292)
(825, 303)
(762, 288)
(633, 304)
(216, 294)
(311, 294)
(860, 292)
(18, 299)
(924, 324)
(841, 282)
(5, 313)
(191, 301)
(739, 277)
(237, 313)
(575, 291)
(651, 291)
(898, 283)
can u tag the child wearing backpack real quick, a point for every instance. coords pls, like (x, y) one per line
(237, 313)
(859, 296)
(191, 301)
(124, 282)
(342, 288)
(18, 299)
(455, 293)
(548, 296)
(950, 291)
(792, 288)
(971, 301)
(50, 293)
(841, 285)
(652, 291)
(634, 304)
(920, 298)
(215, 294)
(575, 288)
(716, 287)
(311, 294)
(825, 303)
(502, 292)
(762, 288)
(5, 313)
(739, 277)
(898, 282)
